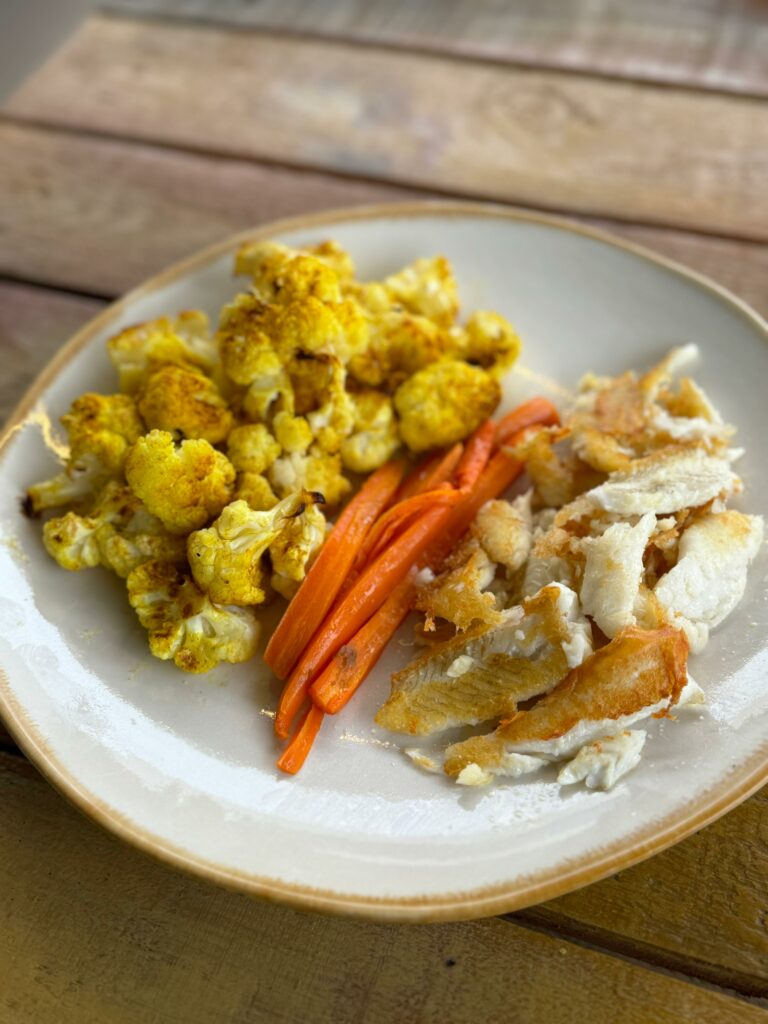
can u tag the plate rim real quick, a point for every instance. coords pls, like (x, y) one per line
(513, 894)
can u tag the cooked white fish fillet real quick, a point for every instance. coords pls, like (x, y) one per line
(486, 672)
(613, 572)
(639, 673)
(710, 576)
(505, 530)
(666, 481)
(600, 764)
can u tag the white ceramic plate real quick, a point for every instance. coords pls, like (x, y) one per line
(183, 766)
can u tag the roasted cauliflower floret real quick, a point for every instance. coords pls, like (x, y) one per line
(443, 403)
(314, 470)
(427, 287)
(293, 433)
(488, 340)
(375, 438)
(225, 558)
(399, 345)
(280, 274)
(251, 329)
(186, 404)
(292, 552)
(118, 533)
(334, 419)
(184, 625)
(252, 448)
(184, 485)
(101, 429)
(184, 340)
(255, 489)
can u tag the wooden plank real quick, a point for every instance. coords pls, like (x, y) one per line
(599, 147)
(92, 933)
(699, 906)
(128, 210)
(717, 45)
(34, 323)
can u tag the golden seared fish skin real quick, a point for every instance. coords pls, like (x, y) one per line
(639, 673)
(486, 671)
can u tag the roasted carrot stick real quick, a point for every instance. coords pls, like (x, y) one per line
(535, 411)
(475, 456)
(323, 581)
(367, 594)
(398, 516)
(433, 536)
(434, 470)
(351, 664)
(295, 754)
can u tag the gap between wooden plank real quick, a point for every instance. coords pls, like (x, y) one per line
(210, 955)
(713, 47)
(129, 209)
(542, 139)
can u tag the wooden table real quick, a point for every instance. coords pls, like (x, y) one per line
(162, 126)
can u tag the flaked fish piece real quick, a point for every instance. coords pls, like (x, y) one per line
(710, 576)
(613, 573)
(486, 672)
(616, 420)
(600, 764)
(459, 594)
(665, 482)
(505, 530)
(638, 674)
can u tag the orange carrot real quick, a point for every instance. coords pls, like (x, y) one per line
(434, 470)
(398, 516)
(323, 581)
(295, 754)
(535, 411)
(367, 594)
(351, 664)
(475, 456)
(428, 541)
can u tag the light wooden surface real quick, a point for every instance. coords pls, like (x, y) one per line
(596, 146)
(147, 137)
(95, 932)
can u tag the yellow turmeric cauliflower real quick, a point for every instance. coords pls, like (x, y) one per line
(488, 340)
(313, 470)
(101, 429)
(255, 489)
(118, 533)
(293, 433)
(292, 552)
(186, 404)
(334, 419)
(253, 334)
(281, 274)
(427, 287)
(400, 344)
(443, 403)
(252, 448)
(184, 624)
(183, 340)
(225, 558)
(184, 485)
(375, 437)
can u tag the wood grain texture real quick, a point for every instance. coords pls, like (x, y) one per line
(701, 906)
(722, 44)
(34, 323)
(632, 152)
(127, 210)
(91, 932)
